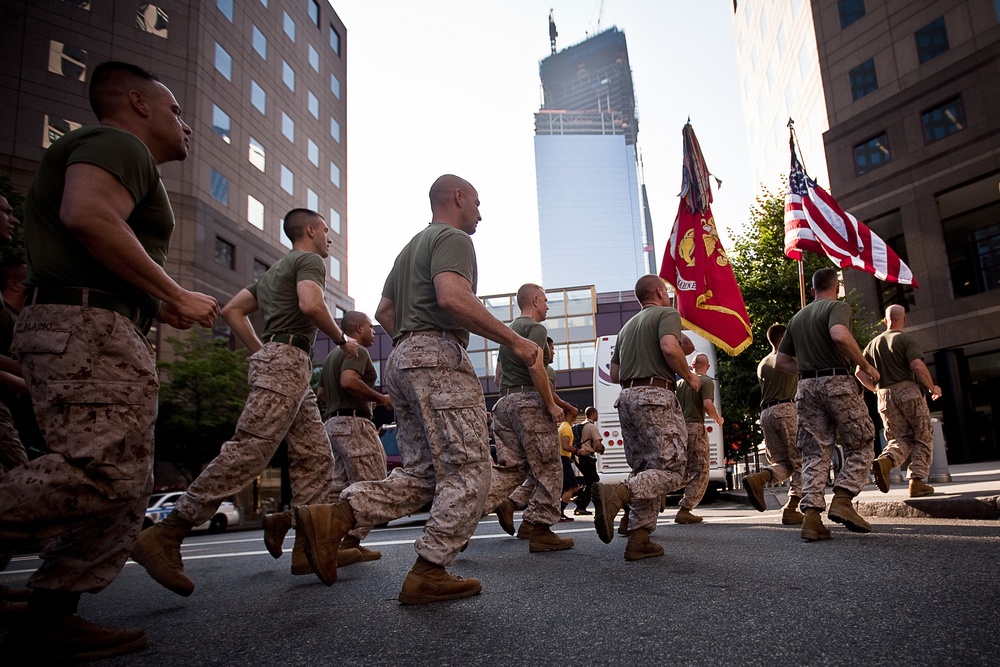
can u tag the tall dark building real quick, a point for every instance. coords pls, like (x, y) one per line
(263, 86)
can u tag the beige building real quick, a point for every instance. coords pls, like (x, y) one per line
(263, 87)
(912, 88)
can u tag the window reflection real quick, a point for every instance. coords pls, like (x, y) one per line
(256, 154)
(67, 61)
(56, 128)
(152, 19)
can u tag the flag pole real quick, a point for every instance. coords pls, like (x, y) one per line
(793, 140)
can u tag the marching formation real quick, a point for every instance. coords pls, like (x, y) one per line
(98, 224)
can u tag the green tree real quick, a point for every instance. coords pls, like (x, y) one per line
(202, 394)
(13, 252)
(769, 282)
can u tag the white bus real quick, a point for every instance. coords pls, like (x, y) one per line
(612, 465)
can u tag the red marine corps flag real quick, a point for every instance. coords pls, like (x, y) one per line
(696, 265)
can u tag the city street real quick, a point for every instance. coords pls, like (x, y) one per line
(737, 589)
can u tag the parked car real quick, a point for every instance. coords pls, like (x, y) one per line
(160, 505)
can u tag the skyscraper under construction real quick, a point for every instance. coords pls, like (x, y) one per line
(590, 212)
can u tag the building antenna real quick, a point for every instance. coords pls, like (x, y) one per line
(600, 15)
(552, 31)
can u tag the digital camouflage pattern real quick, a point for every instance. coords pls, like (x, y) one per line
(655, 438)
(281, 406)
(699, 458)
(443, 443)
(358, 456)
(907, 422)
(778, 424)
(526, 442)
(92, 378)
(12, 452)
(828, 406)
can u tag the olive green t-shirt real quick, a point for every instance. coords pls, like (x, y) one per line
(775, 385)
(337, 397)
(277, 293)
(693, 402)
(808, 335)
(890, 353)
(637, 351)
(410, 285)
(55, 257)
(512, 370)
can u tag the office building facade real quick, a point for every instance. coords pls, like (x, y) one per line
(914, 150)
(262, 83)
(590, 215)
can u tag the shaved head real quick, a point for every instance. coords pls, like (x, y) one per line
(110, 85)
(700, 363)
(445, 186)
(526, 293)
(645, 287)
(895, 316)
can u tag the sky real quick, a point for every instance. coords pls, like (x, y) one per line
(451, 86)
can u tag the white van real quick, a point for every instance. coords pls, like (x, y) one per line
(612, 465)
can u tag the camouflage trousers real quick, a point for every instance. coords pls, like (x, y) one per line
(527, 442)
(655, 439)
(443, 444)
(92, 378)
(778, 424)
(828, 406)
(907, 422)
(358, 456)
(699, 458)
(12, 452)
(281, 406)
(522, 494)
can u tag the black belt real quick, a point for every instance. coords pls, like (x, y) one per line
(294, 340)
(431, 332)
(84, 296)
(824, 372)
(518, 389)
(349, 412)
(649, 382)
(768, 404)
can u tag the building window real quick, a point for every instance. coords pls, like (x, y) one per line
(225, 253)
(223, 62)
(932, 41)
(67, 61)
(334, 40)
(152, 19)
(312, 200)
(289, 25)
(226, 7)
(890, 228)
(850, 11)
(871, 154)
(287, 180)
(314, 11)
(256, 154)
(804, 60)
(973, 243)
(335, 86)
(220, 188)
(335, 129)
(79, 4)
(335, 269)
(220, 123)
(259, 269)
(996, 9)
(259, 43)
(863, 79)
(312, 152)
(264, 2)
(313, 104)
(288, 127)
(333, 222)
(255, 212)
(288, 75)
(314, 58)
(335, 174)
(943, 120)
(282, 236)
(258, 97)
(55, 128)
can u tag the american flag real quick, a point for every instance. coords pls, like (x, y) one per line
(815, 222)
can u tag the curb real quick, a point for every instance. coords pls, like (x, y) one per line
(983, 508)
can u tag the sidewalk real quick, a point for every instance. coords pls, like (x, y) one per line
(972, 493)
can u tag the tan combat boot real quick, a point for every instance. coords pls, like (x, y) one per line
(322, 528)
(301, 565)
(842, 511)
(276, 526)
(920, 488)
(639, 546)
(430, 582)
(880, 471)
(158, 549)
(524, 530)
(350, 542)
(812, 526)
(505, 516)
(790, 514)
(754, 484)
(608, 500)
(684, 515)
(543, 539)
(623, 524)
